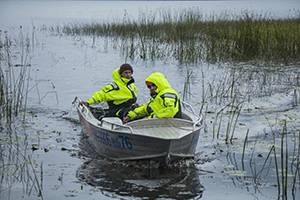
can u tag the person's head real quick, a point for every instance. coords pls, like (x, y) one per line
(152, 87)
(126, 71)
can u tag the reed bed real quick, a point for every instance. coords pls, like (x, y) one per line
(190, 36)
(16, 163)
(15, 67)
(14, 78)
(228, 91)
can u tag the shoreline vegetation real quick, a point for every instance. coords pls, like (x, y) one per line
(189, 36)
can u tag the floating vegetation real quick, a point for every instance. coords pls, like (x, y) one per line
(189, 36)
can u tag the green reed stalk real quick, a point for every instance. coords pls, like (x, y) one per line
(232, 84)
(187, 83)
(13, 85)
(219, 127)
(268, 123)
(295, 176)
(26, 93)
(281, 162)
(252, 154)
(276, 168)
(19, 84)
(271, 149)
(284, 175)
(220, 111)
(244, 147)
(236, 119)
(230, 118)
(297, 165)
(203, 93)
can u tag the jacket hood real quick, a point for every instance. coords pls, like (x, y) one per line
(159, 80)
(117, 77)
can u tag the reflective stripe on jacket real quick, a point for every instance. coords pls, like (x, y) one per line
(118, 94)
(165, 104)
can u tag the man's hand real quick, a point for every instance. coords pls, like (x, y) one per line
(127, 119)
(84, 103)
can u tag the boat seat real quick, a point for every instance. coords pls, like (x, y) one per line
(112, 120)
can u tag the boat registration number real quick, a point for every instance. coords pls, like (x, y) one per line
(118, 141)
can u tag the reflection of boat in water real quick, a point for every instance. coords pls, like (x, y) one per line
(164, 140)
(136, 180)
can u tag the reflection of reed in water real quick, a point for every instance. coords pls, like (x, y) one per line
(259, 165)
(17, 168)
(138, 178)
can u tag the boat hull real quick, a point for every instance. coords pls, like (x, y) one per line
(164, 140)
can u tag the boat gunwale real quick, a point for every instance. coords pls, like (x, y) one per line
(89, 118)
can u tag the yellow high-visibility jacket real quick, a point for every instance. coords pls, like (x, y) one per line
(164, 104)
(118, 94)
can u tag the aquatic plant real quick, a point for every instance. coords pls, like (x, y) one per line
(14, 77)
(277, 167)
(187, 83)
(233, 110)
(190, 36)
(15, 68)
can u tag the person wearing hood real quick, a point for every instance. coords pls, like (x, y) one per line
(164, 102)
(120, 94)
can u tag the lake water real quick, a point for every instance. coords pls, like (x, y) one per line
(62, 164)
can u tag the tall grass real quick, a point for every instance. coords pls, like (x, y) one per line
(189, 35)
(14, 78)
(232, 110)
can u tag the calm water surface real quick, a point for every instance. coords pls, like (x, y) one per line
(52, 155)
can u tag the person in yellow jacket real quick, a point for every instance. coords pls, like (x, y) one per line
(120, 94)
(164, 103)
